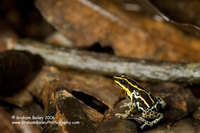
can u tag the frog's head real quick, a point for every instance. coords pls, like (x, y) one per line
(124, 83)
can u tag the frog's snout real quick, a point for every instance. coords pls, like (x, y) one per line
(116, 79)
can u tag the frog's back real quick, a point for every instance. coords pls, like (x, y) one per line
(145, 98)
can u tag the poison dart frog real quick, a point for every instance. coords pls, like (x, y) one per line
(141, 99)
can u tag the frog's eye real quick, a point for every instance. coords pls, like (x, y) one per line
(123, 81)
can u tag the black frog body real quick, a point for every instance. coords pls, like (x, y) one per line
(142, 99)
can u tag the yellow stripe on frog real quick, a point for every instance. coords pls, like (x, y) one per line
(135, 86)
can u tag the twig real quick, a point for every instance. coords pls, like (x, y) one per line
(146, 70)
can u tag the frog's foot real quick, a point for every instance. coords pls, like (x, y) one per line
(161, 102)
(140, 119)
(149, 123)
(129, 104)
(126, 114)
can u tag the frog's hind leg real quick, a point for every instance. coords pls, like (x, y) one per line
(149, 123)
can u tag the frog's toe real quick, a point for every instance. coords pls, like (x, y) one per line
(142, 127)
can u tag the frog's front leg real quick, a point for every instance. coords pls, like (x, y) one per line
(126, 114)
(150, 123)
(130, 105)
